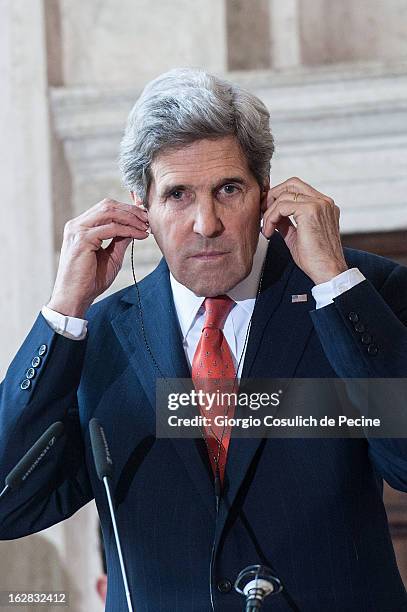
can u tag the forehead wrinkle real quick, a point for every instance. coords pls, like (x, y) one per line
(209, 160)
(188, 176)
(184, 177)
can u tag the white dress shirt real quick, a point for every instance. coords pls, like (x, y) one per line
(191, 315)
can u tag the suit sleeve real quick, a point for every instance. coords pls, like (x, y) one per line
(40, 388)
(364, 335)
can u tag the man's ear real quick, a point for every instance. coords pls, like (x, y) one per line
(263, 197)
(136, 200)
(139, 202)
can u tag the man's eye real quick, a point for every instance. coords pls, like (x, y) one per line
(177, 195)
(230, 189)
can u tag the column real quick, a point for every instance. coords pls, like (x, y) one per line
(26, 242)
(285, 34)
(44, 561)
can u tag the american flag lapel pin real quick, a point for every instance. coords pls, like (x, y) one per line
(300, 297)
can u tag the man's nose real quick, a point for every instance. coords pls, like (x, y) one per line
(207, 221)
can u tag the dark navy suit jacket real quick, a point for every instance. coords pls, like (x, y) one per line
(310, 508)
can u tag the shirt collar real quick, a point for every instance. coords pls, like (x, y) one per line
(187, 304)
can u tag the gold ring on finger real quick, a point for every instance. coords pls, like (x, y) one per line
(296, 196)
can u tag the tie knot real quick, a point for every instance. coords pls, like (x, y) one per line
(216, 310)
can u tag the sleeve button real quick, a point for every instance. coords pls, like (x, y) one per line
(25, 384)
(30, 373)
(224, 585)
(353, 317)
(36, 362)
(372, 349)
(42, 350)
(359, 327)
(366, 338)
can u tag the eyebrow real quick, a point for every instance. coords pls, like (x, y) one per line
(167, 189)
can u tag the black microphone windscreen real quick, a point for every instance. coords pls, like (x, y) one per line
(33, 457)
(100, 449)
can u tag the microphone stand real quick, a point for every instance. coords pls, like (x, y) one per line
(104, 469)
(255, 583)
(5, 490)
(117, 538)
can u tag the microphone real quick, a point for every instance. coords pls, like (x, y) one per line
(104, 469)
(255, 583)
(32, 458)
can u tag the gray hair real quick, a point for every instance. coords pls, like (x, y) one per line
(185, 105)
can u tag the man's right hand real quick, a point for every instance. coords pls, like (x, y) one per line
(86, 269)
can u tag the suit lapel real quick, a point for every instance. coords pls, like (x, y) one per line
(163, 357)
(279, 332)
(157, 317)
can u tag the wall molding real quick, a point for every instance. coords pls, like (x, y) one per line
(343, 128)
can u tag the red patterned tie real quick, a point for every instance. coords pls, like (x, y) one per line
(213, 370)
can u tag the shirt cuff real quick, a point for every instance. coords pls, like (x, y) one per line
(324, 293)
(70, 327)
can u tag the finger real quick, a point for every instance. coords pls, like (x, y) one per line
(108, 206)
(296, 185)
(285, 209)
(111, 213)
(137, 208)
(111, 202)
(269, 200)
(117, 249)
(96, 235)
(296, 198)
(293, 185)
(286, 227)
(273, 199)
(283, 198)
(273, 220)
(288, 196)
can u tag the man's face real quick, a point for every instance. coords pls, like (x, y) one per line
(204, 210)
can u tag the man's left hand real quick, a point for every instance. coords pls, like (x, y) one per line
(314, 241)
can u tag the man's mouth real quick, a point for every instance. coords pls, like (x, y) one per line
(209, 255)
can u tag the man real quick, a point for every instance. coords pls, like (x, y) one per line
(196, 159)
